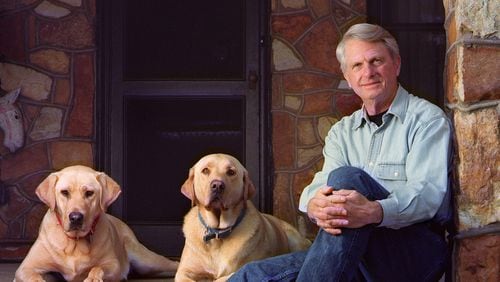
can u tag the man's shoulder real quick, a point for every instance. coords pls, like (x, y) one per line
(349, 122)
(423, 109)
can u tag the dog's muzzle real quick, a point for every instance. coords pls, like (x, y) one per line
(217, 188)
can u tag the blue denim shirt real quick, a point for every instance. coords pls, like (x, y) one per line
(408, 155)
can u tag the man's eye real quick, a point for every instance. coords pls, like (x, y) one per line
(89, 194)
(377, 61)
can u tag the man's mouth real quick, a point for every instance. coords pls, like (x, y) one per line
(370, 84)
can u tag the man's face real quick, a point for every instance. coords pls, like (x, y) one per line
(371, 71)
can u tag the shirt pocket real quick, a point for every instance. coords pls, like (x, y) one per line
(391, 172)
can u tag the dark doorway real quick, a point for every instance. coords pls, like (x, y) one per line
(178, 80)
(418, 26)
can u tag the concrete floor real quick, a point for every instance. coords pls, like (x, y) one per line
(7, 271)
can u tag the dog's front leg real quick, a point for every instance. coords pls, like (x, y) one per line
(28, 276)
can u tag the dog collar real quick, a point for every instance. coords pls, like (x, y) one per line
(219, 233)
(88, 235)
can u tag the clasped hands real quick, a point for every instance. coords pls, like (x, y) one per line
(333, 210)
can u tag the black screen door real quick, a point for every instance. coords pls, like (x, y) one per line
(418, 26)
(180, 80)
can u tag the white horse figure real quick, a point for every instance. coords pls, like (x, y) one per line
(11, 121)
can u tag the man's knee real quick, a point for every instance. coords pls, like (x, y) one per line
(353, 178)
(345, 177)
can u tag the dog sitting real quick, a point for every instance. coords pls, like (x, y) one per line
(223, 229)
(78, 239)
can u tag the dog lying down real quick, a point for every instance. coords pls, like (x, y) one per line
(78, 239)
(223, 229)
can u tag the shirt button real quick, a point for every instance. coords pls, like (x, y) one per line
(396, 173)
(370, 164)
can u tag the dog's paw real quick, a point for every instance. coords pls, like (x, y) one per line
(96, 274)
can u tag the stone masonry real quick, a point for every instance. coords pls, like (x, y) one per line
(48, 49)
(473, 93)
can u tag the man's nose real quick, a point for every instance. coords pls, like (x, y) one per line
(368, 70)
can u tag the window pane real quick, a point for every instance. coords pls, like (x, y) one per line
(184, 40)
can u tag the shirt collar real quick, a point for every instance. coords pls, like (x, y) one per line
(398, 108)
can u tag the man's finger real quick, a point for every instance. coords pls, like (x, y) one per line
(333, 210)
(333, 231)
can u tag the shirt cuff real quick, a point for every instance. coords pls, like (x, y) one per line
(306, 195)
(390, 212)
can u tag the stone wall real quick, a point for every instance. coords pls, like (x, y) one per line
(473, 93)
(48, 49)
(309, 92)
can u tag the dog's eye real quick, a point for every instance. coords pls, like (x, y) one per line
(205, 171)
(231, 172)
(65, 193)
(89, 194)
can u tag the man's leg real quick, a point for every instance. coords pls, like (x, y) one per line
(281, 268)
(414, 253)
(336, 258)
(330, 258)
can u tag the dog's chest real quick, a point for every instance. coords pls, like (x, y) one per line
(76, 267)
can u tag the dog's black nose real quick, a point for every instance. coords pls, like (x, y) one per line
(76, 218)
(217, 186)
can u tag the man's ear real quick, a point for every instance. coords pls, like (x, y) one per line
(397, 61)
(188, 187)
(46, 190)
(110, 190)
(249, 188)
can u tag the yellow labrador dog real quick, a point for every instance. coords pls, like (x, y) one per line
(223, 229)
(78, 239)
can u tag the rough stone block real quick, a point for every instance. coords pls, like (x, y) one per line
(478, 259)
(480, 73)
(478, 142)
(67, 153)
(478, 17)
(318, 47)
(284, 140)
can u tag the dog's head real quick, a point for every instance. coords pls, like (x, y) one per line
(218, 182)
(78, 195)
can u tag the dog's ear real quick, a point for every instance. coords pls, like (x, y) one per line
(188, 187)
(110, 190)
(249, 187)
(46, 190)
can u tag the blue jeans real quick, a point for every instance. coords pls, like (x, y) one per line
(369, 253)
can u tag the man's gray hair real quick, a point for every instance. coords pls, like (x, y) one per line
(370, 33)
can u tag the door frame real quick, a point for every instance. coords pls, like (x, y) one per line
(103, 103)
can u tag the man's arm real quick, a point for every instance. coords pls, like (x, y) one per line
(427, 177)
